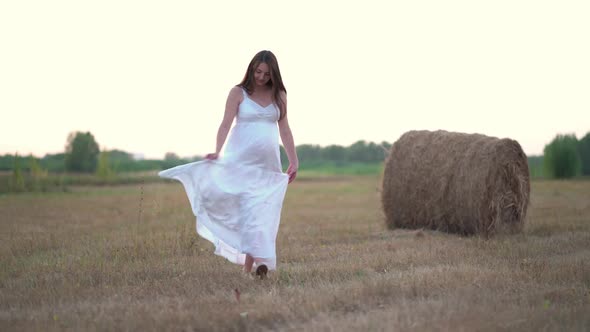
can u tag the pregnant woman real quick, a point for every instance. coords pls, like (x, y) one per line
(237, 198)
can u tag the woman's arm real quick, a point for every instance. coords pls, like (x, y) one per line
(231, 110)
(288, 143)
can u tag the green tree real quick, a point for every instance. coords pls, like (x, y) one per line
(6, 162)
(375, 153)
(386, 146)
(17, 181)
(104, 170)
(359, 151)
(584, 152)
(334, 153)
(561, 159)
(54, 162)
(81, 152)
(38, 174)
(309, 153)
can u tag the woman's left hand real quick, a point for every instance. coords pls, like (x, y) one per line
(211, 156)
(292, 172)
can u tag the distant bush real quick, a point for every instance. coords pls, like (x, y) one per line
(37, 175)
(104, 170)
(17, 181)
(561, 158)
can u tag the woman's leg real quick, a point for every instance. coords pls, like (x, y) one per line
(248, 264)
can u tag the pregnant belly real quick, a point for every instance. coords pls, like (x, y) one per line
(249, 148)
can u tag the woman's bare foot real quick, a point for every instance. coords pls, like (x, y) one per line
(261, 271)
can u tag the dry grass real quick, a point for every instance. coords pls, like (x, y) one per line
(83, 261)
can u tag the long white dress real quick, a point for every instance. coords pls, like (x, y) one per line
(237, 198)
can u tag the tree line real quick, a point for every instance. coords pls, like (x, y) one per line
(83, 162)
(359, 152)
(567, 157)
(564, 157)
(83, 155)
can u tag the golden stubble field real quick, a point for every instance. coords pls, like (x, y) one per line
(90, 259)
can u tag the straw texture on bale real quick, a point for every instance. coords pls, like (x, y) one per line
(454, 182)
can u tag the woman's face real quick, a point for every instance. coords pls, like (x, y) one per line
(262, 74)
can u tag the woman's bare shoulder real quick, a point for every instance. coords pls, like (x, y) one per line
(236, 93)
(236, 90)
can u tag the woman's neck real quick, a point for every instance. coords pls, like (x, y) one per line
(262, 89)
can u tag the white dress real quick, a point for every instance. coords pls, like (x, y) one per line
(237, 198)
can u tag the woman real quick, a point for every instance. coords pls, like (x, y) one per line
(237, 198)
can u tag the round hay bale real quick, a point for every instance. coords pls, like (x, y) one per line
(454, 182)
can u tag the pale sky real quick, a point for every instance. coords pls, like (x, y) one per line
(152, 77)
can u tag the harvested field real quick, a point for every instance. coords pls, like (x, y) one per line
(91, 260)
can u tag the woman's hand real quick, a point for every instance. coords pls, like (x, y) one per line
(212, 156)
(292, 172)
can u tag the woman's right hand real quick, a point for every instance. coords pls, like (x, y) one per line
(212, 156)
(292, 172)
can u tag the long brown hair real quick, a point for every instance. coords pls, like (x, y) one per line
(275, 82)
